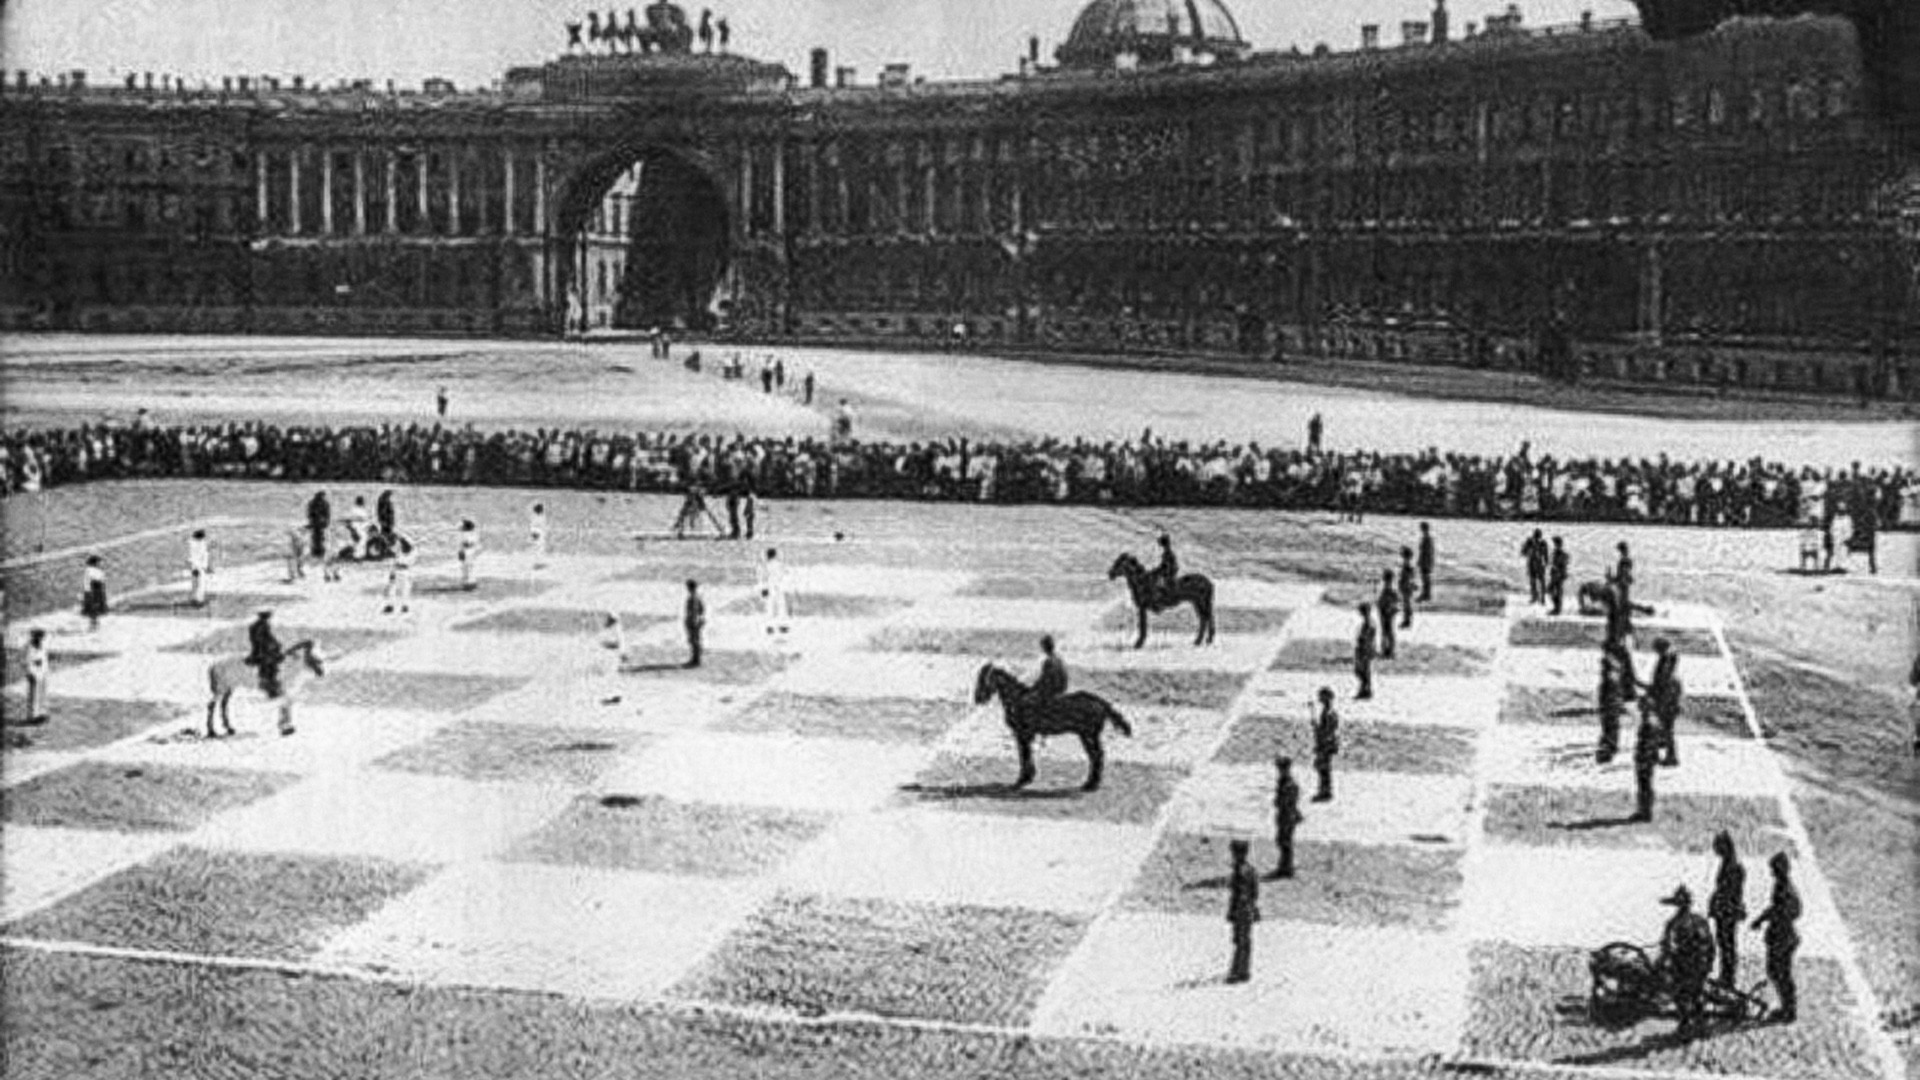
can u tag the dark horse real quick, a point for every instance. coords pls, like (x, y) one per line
(1195, 589)
(1078, 713)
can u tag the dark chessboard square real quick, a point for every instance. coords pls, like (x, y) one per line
(1137, 687)
(1584, 634)
(726, 568)
(334, 641)
(1002, 645)
(812, 605)
(1560, 706)
(1252, 621)
(515, 752)
(134, 798)
(1130, 792)
(1532, 1004)
(220, 605)
(814, 955)
(1334, 883)
(1257, 739)
(407, 691)
(1458, 598)
(566, 622)
(896, 720)
(1410, 657)
(1554, 816)
(82, 723)
(218, 903)
(727, 667)
(449, 586)
(663, 836)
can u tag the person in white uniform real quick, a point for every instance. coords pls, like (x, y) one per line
(773, 593)
(400, 577)
(199, 565)
(537, 534)
(469, 554)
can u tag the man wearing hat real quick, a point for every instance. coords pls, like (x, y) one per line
(1243, 910)
(1388, 602)
(1363, 650)
(1782, 938)
(1646, 757)
(1727, 907)
(1686, 950)
(264, 652)
(1613, 705)
(1286, 815)
(1326, 743)
(1664, 691)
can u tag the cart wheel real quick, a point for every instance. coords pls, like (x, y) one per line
(1620, 973)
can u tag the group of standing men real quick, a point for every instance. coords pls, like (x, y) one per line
(1690, 944)
(1399, 594)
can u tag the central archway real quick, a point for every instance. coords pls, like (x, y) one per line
(645, 242)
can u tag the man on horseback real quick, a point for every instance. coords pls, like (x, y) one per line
(1165, 574)
(1051, 683)
(265, 653)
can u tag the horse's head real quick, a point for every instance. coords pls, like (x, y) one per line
(309, 654)
(986, 683)
(1125, 566)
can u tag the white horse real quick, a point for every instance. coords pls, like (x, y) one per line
(299, 663)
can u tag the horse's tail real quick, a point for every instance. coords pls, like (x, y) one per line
(1119, 722)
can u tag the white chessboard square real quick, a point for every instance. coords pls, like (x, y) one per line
(1443, 700)
(926, 677)
(42, 865)
(67, 632)
(926, 855)
(1368, 808)
(767, 770)
(1253, 593)
(326, 739)
(1316, 989)
(404, 817)
(564, 930)
(1586, 897)
(177, 678)
(1324, 622)
(1486, 633)
(1062, 618)
(877, 581)
(1173, 650)
(631, 701)
(487, 654)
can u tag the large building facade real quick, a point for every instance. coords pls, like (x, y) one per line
(1720, 208)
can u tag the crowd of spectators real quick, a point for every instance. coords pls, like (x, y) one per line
(1146, 471)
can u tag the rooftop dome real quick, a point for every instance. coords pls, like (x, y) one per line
(1149, 29)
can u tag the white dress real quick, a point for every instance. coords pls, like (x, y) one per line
(773, 593)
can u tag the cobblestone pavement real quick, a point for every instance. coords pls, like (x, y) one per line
(816, 825)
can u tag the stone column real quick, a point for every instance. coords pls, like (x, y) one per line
(540, 194)
(360, 193)
(260, 191)
(507, 225)
(453, 193)
(780, 189)
(930, 181)
(393, 191)
(746, 191)
(326, 191)
(1650, 296)
(293, 191)
(813, 188)
(421, 162)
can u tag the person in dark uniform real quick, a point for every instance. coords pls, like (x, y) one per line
(1243, 910)
(1664, 691)
(1782, 937)
(733, 510)
(1612, 707)
(384, 516)
(265, 653)
(1557, 575)
(1623, 585)
(319, 516)
(1727, 907)
(1619, 641)
(1315, 428)
(1052, 680)
(1167, 571)
(1363, 653)
(806, 387)
(1686, 950)
(1286, 815)
(1407, 589)
(694, 620)
(1426, 563)
(1646, 757)
(1326, 744)
(1534, 551)
(1388, 602)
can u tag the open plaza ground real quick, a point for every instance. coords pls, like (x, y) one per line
(492, 847)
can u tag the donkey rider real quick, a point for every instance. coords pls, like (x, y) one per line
(265, 653)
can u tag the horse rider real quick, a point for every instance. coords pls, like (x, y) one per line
(1166, 572)
(265, 653)
(1686, 950)
(1052, 680)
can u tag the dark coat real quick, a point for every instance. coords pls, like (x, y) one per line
(1243, 905)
